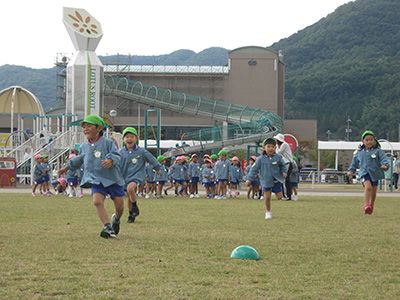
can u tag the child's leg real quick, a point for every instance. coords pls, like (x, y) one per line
(119, 207)
(267, 200)
(373, 195)
(131, 193)
(368, 192)
(34, 188)
(98, 201)
(294, 190)
(279, 195)
(196, 187)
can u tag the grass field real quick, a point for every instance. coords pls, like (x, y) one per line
(179, 248)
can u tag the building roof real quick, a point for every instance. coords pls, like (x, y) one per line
(129, 69)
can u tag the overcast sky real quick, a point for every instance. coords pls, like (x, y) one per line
(32, 32)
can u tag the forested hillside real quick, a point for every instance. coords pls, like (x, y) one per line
(347, 64)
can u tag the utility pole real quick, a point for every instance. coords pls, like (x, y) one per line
(348, 129)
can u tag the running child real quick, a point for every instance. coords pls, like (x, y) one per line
(372, 161)
(254, 185)
(294, 180)
(100, 158)
(132, 165)
(272, 173)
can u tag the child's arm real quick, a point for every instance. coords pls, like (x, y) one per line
(63, 170)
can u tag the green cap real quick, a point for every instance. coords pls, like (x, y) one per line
(161, 158)
(214, 156)
(45, 156)
(129, 129)
(222, 152)
(368, 132)
(94, 119)
(245, 252)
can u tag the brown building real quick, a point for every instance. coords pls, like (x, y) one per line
(254, 77)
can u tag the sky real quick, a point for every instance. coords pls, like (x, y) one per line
(33, 35)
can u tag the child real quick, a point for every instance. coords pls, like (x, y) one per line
(46, 178)
(253, 188)
(171, 184)
(194, 176)
(100, 158)
(38, 174)
(294, 180)
(150, 181)
(207, 177)
(72, 179)
(222, 173)
(178, 175)
(372, 162)
(272, 173)
(236, 176)
(162, 177)
(132, 164)
(59, 185)
(214, 185)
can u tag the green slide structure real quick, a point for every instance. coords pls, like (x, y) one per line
(246, 124)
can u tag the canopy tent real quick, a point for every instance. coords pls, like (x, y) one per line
(20, 101)
(351, 146)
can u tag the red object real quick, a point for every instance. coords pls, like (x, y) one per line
(8, 172)
(292, 143)
(244, 165)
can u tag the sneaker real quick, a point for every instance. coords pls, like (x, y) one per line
(367, 209)
(224, 197)
(296, 197)
(161, 197)
(237, 194)
(115, 224)
(372, 209)
(107, 233)
(285, 199)
(268, 215)
(49, 192)
(158, 197)
(135, 211)
(185, 194)
(79, 196)
(41, 192)
(191, 196)
(56, 193)
(131, 219)
(165, 192)
(197, 196)
(216, 197)
(33, 194)
(230, 194)
(262, 198)
(71, 195)
(147, 196)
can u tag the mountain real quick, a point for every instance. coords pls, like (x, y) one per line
(347, 65)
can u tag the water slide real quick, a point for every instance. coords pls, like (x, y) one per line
(247, 125)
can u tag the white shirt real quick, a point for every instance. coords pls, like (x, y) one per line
(285, 151)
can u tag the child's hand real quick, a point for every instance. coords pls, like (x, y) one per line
(63, 170)
(158, 172)
(349, 173)
(384, 167)
(248, 182)
(107, 163)
(284, 175)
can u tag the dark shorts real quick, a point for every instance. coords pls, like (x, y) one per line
(160, 182)
(194, 180)
(277, 188)
(367, 177)
(294, 184)
(113, 190)
(40, 181)
(234, 182)
(72, 181)
(46, 178)
(254, 183)
(178, 181)
(208, 184)
(222, 180)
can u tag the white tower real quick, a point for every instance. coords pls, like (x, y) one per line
(85, 72)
